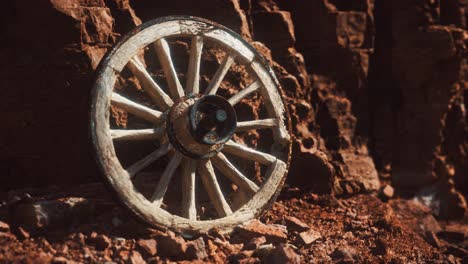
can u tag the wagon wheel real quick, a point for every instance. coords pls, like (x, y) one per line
(191, 129)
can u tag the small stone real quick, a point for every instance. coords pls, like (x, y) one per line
(123, 255)
(59, 260)
(249, 261)
(87, 253)
(263, 251)
(255, 228)
(171, 245)
(283, 255)
(343, 254)
(4, 227)
(119, 240)
(63, 249)
(255, 242)
(196, 249)
(101, 242)
(236, 258)
(47, 213)
(295, 224)
(307, 237)
(147, 246)
(136, 258)
(80, 238)
(386, 193)
(7, 237)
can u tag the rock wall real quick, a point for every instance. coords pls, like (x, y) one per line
(376, 91)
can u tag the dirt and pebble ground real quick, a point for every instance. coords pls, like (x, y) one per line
(85, 225)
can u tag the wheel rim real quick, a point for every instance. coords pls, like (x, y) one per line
(195, 158)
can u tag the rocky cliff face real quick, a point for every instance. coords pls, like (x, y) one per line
(376, 91)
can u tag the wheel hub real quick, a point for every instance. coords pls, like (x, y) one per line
(198, 126)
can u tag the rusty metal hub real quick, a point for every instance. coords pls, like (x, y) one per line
(198, 126)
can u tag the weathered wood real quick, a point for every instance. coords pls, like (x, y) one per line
(165, 179)
(193, 72)
(164, 54)
(272, 99)
(256, 124)
(159, 97)
(148, 160)
(113, 64)
(137, 134)
(136, 109)
(229, 170)
(248, 153)
(206, 171)
(188, 209)
(219, 75)
(244, 92)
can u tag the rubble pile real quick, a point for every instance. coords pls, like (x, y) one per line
(300, 228)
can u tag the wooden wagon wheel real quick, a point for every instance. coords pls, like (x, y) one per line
(191, 128)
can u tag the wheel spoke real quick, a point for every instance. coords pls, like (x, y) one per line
(219, 75)
(146, 161)
(193, 74)
(136, 109)
(159, 97)
(164, 54)
(137, 134)
(229, 170)
(166, 177)
(248, 153)
(244, 92)
(212, 187)
(256, 124)
(188, 189)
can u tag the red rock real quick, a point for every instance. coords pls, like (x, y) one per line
(136, 258)
(264, 251)
(87, 254)
(101, 242)
(147, 246)
(97, 25)
(249, 261)
(196, 249)
(59, 212)
(255, 228)
(59, 260)
(309, 236)
(4, 227)
(345, 254)
(386, 193)
(123, 254)
(80, 238)
(255, 242)
(171, 246)
(295, 224)
(282, 37)
(282, 255)
(7, 237)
